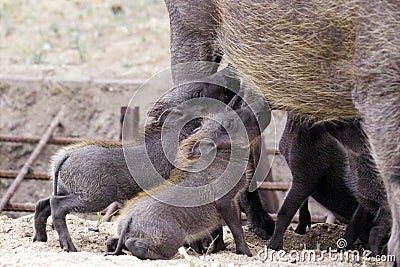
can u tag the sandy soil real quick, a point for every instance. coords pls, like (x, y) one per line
(17, 248)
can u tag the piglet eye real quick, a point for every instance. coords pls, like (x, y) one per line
(227, 96)
(228, 125)
(177, 113)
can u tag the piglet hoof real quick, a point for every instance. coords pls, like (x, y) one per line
(111, 244)
(260, 232)
(113, 253)
(197, 246)
(137, 247)
(275, 245)
(244, 250)
(40, 237)
(218, 246)
(68, 247)
(262, 226)
(301, 229)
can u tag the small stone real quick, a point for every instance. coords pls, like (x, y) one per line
(318, 252)
(94, 228)
(6, 229)
(27, 234)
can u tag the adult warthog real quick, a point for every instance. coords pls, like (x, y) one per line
(326, 60)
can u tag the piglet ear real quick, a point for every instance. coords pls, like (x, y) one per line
(161, 119)
(233, 82)
(256, 117)
(175, 112)
(261, 113)
(203, 147)
(235, 103)
(227, 77)
(230, 79)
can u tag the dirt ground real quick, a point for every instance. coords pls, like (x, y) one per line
(17, 248)
(51, 55)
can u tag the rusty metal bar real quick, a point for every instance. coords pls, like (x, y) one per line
(52, 140)
(314, 218)
(32, 158)
(121, 121)
(72, 140)
(278, 186)
(131, 129)
(30, 207)
(135, 122)
(26, 207)
(11, 174)
(81, 80)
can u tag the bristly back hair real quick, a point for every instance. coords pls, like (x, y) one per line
(176, 176)
(300, 55)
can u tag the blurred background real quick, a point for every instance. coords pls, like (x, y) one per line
(80, 39)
